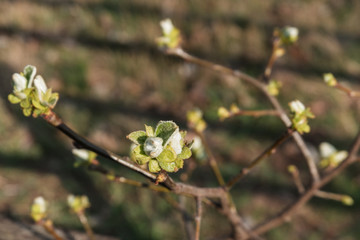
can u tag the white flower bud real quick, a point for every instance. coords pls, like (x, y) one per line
(153, 146)
(81, 153)
(167, 26)
(19, 82)
(297, 106)
(41, 203)
(40, 87)
(175, 142)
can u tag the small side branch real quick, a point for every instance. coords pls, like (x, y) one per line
(212, 160)
(270, 150)
(263, 88)
(116, 178)
(348, 91)
(286, 213)
(296, 177)
(198, 218)
(84, 221)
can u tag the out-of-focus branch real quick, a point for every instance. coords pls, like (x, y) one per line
(263, 88)
(270, 150)
(48, 226)
(84, 221)
(286, 213)
(113, 177)
(296, 177)
(348, 91)
(198, 218)
(212, 160)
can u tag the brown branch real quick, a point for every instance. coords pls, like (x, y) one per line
(296, 177)
(263, 88)
(212, 160)
(252, 113)
(285, 214)
(48, 226)
(116, 178)
(198, 218)
(348, 91)
(84, 221)
(178, 188)
(270, 150)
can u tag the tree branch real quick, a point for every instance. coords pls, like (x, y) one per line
(263, 88)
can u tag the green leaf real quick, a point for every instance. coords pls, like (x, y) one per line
(38, 105)
(53, 99)
(185, 153)
(149, 130)
(37, 112)
(154, 166)
(138, 155)
(13, 99)
(168, 166)
(137, 137)
(47, 95)
(25, 103)
(167, 155)
(165, 129)
(29, 72)
(179, 163)
(27, 111)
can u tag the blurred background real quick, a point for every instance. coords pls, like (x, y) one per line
(101, 56)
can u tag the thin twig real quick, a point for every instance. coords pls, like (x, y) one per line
(177, 188)
(331, 196)
(48, 226)
(285, 214)
(270, 150)
(348, 91)
(84, 221)
(212, 160)
(263, 88)
(116, 178)
(256, 113)
(198, 218)
(274, 56)
(296, 177)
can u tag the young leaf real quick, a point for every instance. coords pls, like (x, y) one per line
(168, 166)
(185, 154)
(138, 155)
(165, 129)
(154, 166)
(137, 137)
(13, 99)
(167, 155)
(179, 163)
(149, 130)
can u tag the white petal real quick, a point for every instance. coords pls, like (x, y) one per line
(153, 146)
(326, 150)
(340, 156)
(19, 82)
(81, 153)
(166, 26)
(33, 72)
(70, 199)
(40, 84)
(297, 106)
(293, 32)
(40, 201)
(175, 142)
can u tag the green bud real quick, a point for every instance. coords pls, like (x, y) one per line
(347, 200)
(223, 113)
(78, 203)
(329, 79)
(38, 209)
